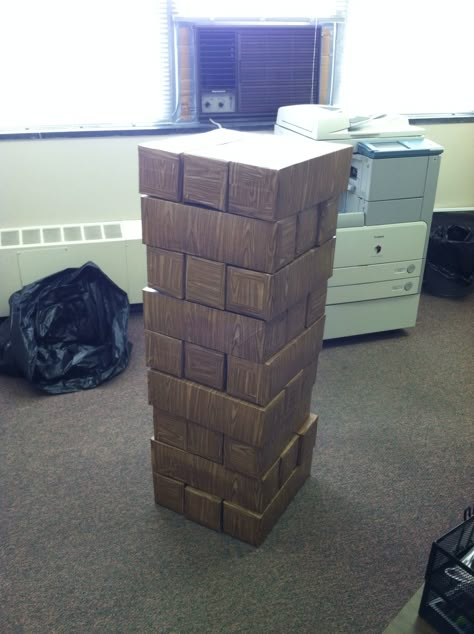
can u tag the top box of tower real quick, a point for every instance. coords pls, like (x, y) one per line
(257, 175)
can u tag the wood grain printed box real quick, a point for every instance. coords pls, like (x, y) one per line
(213, 235)
(254, 461)
(218, 411)
(270, 493)
(170, 429)
(212, 328)
(184, 434)
(205, 282)
(187, 276)
(327, 220)
(289, 459)
(316, 225)
(168, 492)
(165, 271)
(203, 508)
(260, 382)
(296, 319)
(254, 527)
(315, 306)
(204, 366)
(164, 353)
(160, 161)
(307, 222)
(265, 295)
(262, 295)
(236, 444)
(285, 176)
(307, 434)
(239, 456)
(211, 477)
(265, 176)
(205, 181)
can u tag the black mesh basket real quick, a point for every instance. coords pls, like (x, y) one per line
(448, 598)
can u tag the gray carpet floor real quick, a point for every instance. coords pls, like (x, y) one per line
(84, 549)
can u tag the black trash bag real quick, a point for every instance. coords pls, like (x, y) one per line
(450, 261)
(67, 332)
(7, 363)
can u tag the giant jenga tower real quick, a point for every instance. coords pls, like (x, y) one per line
(240, 242)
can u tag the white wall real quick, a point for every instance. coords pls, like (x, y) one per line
(456, 177)
(50, 181)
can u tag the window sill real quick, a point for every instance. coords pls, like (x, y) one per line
(161, 129)
(188, 128)
(428, 119)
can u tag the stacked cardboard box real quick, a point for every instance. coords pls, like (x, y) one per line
(240, 242)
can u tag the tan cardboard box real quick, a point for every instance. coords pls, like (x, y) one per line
(327, 220)
(203, 508)
(265, 295)
(282, 176)
(213, 235)
(254, 461)
(165, 271)
(307, 434)
(160, 161)
(266, 176)
(170, 429)
(289, 459)
(169, 492)
(183, 434)
(260, 382)
(211, 477)
(253, 527)
(164, 353)
(205, 442)
(316, 305)
(212, 328)
(204, 366)
(216, 410)
(307, 229)
(205, 282)
(296, 319)
(316, 225)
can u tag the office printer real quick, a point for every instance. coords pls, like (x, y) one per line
(384, 217)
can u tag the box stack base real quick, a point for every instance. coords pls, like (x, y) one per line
(220, 498)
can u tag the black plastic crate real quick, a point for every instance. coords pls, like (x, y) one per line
(448, 598)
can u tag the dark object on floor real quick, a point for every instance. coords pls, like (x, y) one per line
(67, 332)
(448, 597)
(450, 259)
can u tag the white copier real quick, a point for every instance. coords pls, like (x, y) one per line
(384, 217)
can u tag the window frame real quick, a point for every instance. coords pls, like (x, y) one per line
(181, 127)
(173, 128)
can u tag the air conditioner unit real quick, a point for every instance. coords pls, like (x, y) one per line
(30, 253)
(232, 71)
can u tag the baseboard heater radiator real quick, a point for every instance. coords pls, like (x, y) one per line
(30, 253)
